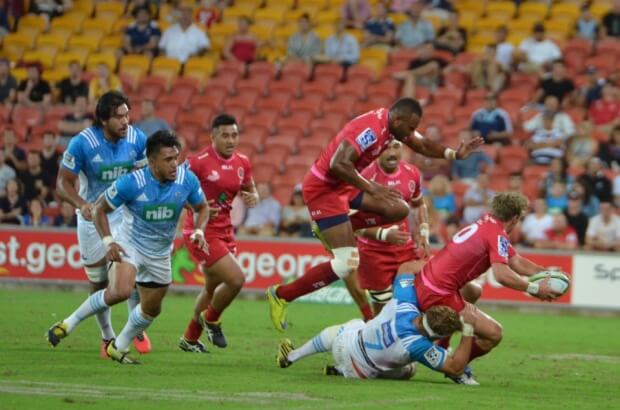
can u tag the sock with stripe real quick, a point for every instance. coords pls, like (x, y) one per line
(91, 306)
(212, 315)
(138, 322)
(315, 278)
(193, 331)
(104, 319)
(318, 344)
(133, 301)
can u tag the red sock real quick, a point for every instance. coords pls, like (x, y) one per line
(367, 312)
(212, 315)
(477, 351)
(361, 220)
(193, 331)
(315, 278)
(445, 342)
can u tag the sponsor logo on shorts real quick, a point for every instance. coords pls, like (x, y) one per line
(159, 213)
(433, 356)
(366, 139)
(502, 246)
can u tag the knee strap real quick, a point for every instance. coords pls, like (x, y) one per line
(346, 260)
(97, 274)
(381, 296)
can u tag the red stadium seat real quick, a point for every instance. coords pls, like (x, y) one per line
(355, 87)
(343, 104)
(331, 71)
(226, 81)
(246, 149)
(291, 85)
(200, 118)
(279, 141)
(387, 87)
(256, 83)
(300, 120)
(26, 116)
(178, 101)
(320, 86)
(309, 103)
(245, 102)
(515, 94)
(213, 97)
(168, 113)
(300, 160)
(403, 56)
(448, 96)
(152, 86)
(278, 101)
(262, 68)
(359, 71)
(296, 69)
(282, 193)
(263, 171)
(332, 122)
(536, 172)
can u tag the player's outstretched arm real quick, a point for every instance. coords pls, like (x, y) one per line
(431, 149)
(509, 278)
(421, 214)
(391, 235)
(65, 183)
(524, 266)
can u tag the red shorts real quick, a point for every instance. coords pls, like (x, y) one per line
(218, 248)
(428, 298)
(325, 200)
(379, 266)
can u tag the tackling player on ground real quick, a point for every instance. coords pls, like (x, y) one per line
(154, 198)
(389, 345)
(96, 157)
(223, 174)
(471, 252)
(335, 177)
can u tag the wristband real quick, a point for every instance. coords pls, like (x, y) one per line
(468, 330)
(198, 232)
(449, 154)
(533, 289)
(382, 234)
(424, 231)
(107, 240)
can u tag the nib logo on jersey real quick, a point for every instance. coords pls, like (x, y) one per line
(110, 173)
(159, 213)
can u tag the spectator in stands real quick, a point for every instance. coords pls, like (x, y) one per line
(515, 183)
(605, 112)
(379, 29)
(547, 142)
(50, 8)
(592, 89)
(264, 218)
(467, 170)
(557, 199)
(401, 6)
(582, 146)
(150, 124)
(132, 5)
(415, 30)
(103, 82)
(609, 152)
(486, 71)
(452, 37)
(73, 86)
(492, 123)
(243, 45)
(33, 179)
(594, 176)
(536, 223)
(5, 27)
(355, 13)
(560, 236)
(14, 156)
(341, 48)
(586, 26)
(67, 217)
(561, 121)
(184, 39)
(537, 51)
(7, 173)
(34, 90)
(14, 204)
(441, 196)
(558, 172)
(611, 21)
(616, 189)
(575, 216)
(558, 85)
(35, 216)
(603, 232)
(424, 70)
(590, 203)
(50, 158)
(503, 49)
(477, 199)
(304, 44)
(432, 166)
(209, 12)
(76, 121)
(142, 37)
(8, 84)
(295, 217)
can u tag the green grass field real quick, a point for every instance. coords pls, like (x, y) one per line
(545, 361)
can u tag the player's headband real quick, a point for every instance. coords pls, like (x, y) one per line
(430, 331)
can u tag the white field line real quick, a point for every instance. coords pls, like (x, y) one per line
(579, 357)
(129, 393)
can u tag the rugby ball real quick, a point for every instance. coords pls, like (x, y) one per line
(559, 282)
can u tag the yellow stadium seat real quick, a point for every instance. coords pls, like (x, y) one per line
(45, 55)
(55, 75)
(398, 18)
(487, 26)
(376, 53)
(533, 11)
(323, 32)
(204, 65)
(96, 24)
(85, 6)
(20, 74)
(501, 7)
(53, 39)
(33, 32)
(24, 40)
(64, 58)
(295, 14)
(500, 16)
(233, 13)
(271, 13)
(111, 42)
(13, 52)
(329, 16)
(311, 9)
(134, 65)
(90, 43)
(521, 26)
(517, 37)
(121, 25)
(478, 42)
(357, 33)
(165, 64)
(564, 9)
(598, 10)
(116, 8)
(223, 29)
(319, 4)
(262, 32)
(284, 32)
(72, 23)
(558, 29)
(374, 64)
(106, 57)
(33, 20)
(470, 5)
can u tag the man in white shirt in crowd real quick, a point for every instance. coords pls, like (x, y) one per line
(561, 120)
(538, 51)
(184, 39)
(503, 49)
(547, 142)
(536, 223)
(603, 232)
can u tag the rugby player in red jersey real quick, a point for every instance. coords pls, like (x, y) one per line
(471, 252)
(335, 177)
(223, 173)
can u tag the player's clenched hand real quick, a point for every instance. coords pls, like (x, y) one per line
(424, 247)
(115, 252)
(466, 148)
(198, 238)
(384, 194)
(213, 210)
(250, 199)
(545, 292)
(396, 237)
(469, 314)
(87, 211)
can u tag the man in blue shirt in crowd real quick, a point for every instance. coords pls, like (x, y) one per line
(492, 123)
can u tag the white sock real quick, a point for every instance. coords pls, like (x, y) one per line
(104, 319)
(133, 301)
(94, 304)
(137, 322)
(318, 344)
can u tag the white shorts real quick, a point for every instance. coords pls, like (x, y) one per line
(92, 249)
(150, 269)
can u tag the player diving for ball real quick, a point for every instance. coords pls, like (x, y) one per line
(154, 198)
(96, 157)
(389, 345)
(335, 177)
